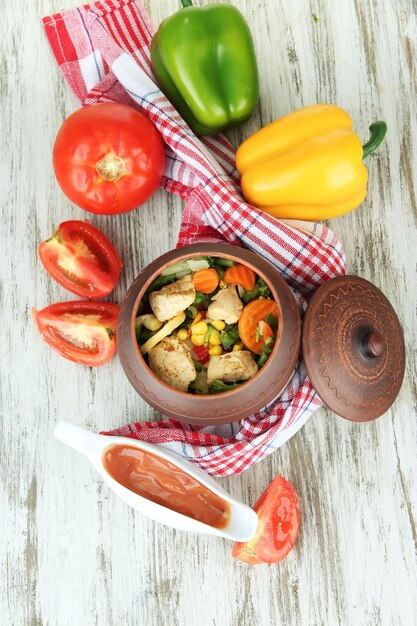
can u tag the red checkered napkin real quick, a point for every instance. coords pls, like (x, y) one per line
(103, 51)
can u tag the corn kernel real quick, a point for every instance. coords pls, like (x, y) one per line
(215, 351)
(197, 340)
(182, 334)
(218, 324)
(222, 284)
(237, 347)
(214, 338)
(199, 329)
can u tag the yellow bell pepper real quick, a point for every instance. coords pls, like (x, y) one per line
(307, 165)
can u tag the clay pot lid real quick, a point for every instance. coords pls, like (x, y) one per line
(353, 348)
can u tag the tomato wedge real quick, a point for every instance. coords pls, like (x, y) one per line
(279, 522)
(81, 259)
(81, 331)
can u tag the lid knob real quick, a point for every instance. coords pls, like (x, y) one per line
(353, 347)
(374, 345)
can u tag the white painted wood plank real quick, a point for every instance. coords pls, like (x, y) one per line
(71, 553)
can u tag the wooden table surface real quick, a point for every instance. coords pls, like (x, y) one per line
(73, 554)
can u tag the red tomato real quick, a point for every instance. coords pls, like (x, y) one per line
(108, 158)
(201, 353)
(279, 522)
(80, 258)
(81, 331)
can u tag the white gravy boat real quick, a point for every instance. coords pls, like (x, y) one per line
(243, 520)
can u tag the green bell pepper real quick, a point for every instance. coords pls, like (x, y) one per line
(204, 61)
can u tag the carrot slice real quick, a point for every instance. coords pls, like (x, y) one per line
(197, 318)
(240, 275)
(206, 281)
(253, 313)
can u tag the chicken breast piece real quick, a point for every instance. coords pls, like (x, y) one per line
(171, 360)
(226, 305)
(172, 299)
(231, 367)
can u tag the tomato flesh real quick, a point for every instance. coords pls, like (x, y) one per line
(81, 331)
(108, 158)
(279, 522)
(81, 259)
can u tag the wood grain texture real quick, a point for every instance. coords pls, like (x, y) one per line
(71, 553)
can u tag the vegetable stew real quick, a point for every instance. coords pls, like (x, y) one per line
(206, 324)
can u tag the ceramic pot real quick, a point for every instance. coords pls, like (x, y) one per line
(229, 406)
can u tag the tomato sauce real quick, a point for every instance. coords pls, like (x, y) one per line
(164, 483)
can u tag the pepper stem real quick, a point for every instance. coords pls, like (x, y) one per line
(186, 3)
(378, 131)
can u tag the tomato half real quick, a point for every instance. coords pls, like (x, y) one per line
(81, 259)
(81, 331)
(108, 158)
(279, 522)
